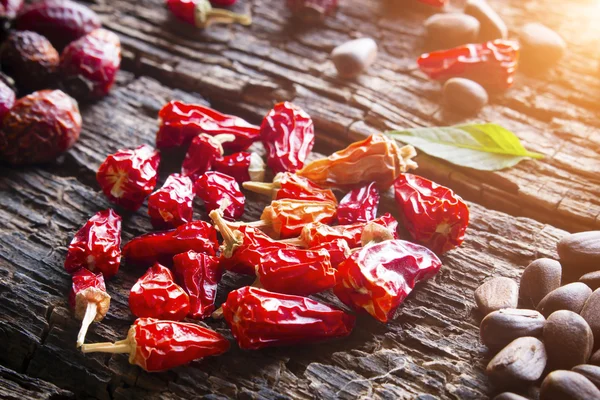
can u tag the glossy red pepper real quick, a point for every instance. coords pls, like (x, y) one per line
(202, 153)
(199, 275)
(492, 64)
(377, 278)
(89, 300)
(171, 205)
(286, 218)
(259, 318)
(127, 177)
(156, 295)
(296, 271)
(157, 345)
(97, 245)
(241, 166)
(432, 213)
(288, 134)
(435, 3)
(221, 192)
(181, 122)
(145, 250)
(312, 10)
(359, 205)
(287, 185)
(201, 14)
(338, 250)
(243, 245)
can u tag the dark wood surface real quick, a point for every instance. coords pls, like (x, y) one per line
(432, 347)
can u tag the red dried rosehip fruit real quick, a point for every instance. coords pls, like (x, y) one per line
(61, 21)
(127, 177)
(8, 12)
(30, 59)
(89, 65)
(39, 127)
(7, 99)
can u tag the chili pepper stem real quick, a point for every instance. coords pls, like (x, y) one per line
(224, 138)
(107, 347)
(258, 224)
(206, 15)
(225, 230)
(218, 313)
(89, 316)
(263, 188)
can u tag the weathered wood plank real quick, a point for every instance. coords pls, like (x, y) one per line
(15, 386)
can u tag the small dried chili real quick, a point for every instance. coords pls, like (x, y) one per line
(288, 134)
(242, 166)
(312, 10)
(199, 275)
(377, 278)
(181, 122)
(89, 300)
(243, 246)
(287, 185)
(201, 14)
(171, 205)
(359, 205)
(202, 153)
(432, 213)
(145, 250)
(296, 271)
(259, 318)
(127, 177)
(376, 159)
(97, 245)
(157, 345)
(221, 192)
(492, 64)
(338, 250)
(156, 295)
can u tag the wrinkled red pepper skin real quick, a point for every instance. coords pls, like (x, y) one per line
(235, 165)
(97, 245)
(377, 278)
(288, 135)
(127, 177)
(171, 205)
(359, 205)
(299, 188)
(200, 156)
(199, 275)
(84, 279)
(338, 250)
(145, 250)
(184, 10)
(181, 122)
(162, 345)
(492, 64)
(432, 213)
(259, 318)
(156, 295)
(218, 190)
(296, 271)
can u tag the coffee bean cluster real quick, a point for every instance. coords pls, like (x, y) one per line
(555, 337)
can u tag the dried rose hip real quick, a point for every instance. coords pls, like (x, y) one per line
(171, 205)
(61, 21)
(8, 12)
(89, 65)
(30, 59)
(127, 177)
(7, 99)
(39, 127)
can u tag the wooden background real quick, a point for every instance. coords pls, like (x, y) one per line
(431, 350)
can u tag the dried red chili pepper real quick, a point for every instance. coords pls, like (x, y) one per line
(435, 3)
(89, 300)
(127, 177)
(199, 275)
(338, 250)
(492, 64)
(432, 213)
(243, 246)
(97, 245)
(157, 345)
(359, 205)
(171, 205)
(242, 166)
(259, 318)
(287, 185)
(312, 10)
(288, 134)
(377, 278)
(181, 122)
(376, 159)
(145, 250)
(156, 295)
(201, 14)
(202, 153)
(222, 192)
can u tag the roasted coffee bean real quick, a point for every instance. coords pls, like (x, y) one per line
(592, 372)
(523, 360)
(592, 279)
(353, 57)
(539, 278)
(570, 297)
(541, 46)
(591, 314)
(580, 251)
(491, 26)
(451, 29)
(464, 96)
(497, 293)
(509, 396)
(501, 327)
(568, 338)
(568, 385)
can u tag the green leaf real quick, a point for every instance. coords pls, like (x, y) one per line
(486, 147)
